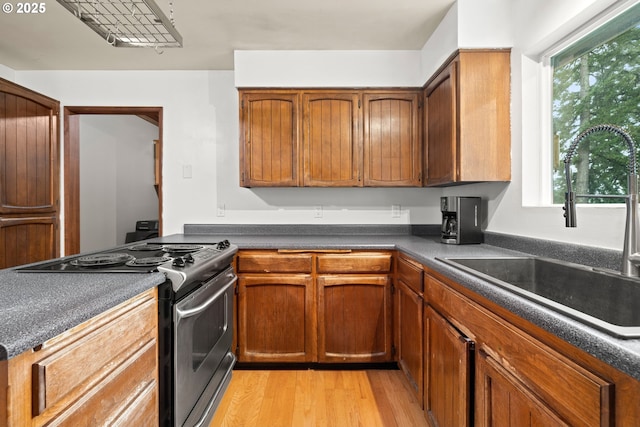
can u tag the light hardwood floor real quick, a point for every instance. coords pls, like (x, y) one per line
(297, 398)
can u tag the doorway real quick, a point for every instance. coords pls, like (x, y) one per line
(72, 170)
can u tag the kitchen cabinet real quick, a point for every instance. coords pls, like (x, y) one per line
(505, 401)
(314, 306)
(269, 144)
(354, 307)
(29, 153)
(516, 372)
(332, 144)
(392, 139)
(447, 372)
(348, 138)
(276, 307)
(467, 119)
(102, 371)
(408, 326)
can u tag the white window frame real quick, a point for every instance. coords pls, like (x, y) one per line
(538, 184)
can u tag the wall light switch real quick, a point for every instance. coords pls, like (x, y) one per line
(221, 210)
(317, 212)
(395, 211)
(187, 171)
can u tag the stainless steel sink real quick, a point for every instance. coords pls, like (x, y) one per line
(603, 299)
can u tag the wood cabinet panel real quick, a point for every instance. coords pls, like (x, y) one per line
(409, 327)
(271, 262)
(276, 319)
(392, 139)
(354, 318)
(29, 169)
(332, 144)
(447, 372)
(269, 139)
(502, 400)
(26, 239)
(57, 375)
(467, 114)
(577, 395)
(80, 377)
(410, 272)
(28, 151)
(442, 166)
(371, 262)
(130, 384)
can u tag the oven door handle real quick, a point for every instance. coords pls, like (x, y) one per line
(202, 307)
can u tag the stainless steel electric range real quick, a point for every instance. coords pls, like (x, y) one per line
(195, 319)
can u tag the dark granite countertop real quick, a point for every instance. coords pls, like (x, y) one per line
(38, 306)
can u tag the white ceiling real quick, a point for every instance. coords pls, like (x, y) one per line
(213, 29)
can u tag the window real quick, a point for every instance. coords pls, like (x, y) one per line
(596, 81)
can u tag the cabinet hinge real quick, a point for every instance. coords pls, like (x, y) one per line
(358, 103)
(393, 350)
(242, 104)
(235, 288)
(393, 288)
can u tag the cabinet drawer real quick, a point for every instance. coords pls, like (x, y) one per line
(372, 262)
(272, 262)
(577, 395)
(410, 272)
(68, 371)
(127, 391)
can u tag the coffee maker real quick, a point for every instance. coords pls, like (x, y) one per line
(460, 220)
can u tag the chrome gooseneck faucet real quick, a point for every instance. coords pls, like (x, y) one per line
(630, 255)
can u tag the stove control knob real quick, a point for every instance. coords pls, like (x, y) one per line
(189, 258)
(178, 262)
(223, 244)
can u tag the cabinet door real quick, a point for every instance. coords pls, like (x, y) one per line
(276, 318)
(447, 373)
(269, 139)
(409, 316)
(354, 318)
(441, 117)
(331, 139)
(502, 400)
(392, 139)
(28, 239)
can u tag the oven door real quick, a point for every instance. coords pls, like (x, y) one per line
(203, 334)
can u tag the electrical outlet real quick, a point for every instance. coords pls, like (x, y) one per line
(395, 211)
(187, 171)
(317, 212)
(221, 210)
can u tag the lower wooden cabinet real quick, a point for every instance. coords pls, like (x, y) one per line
(518, 377)
(408, 317)
(104, 371)
(354, 318)
(448, 373)
(276, 318)
(503, 400)
(314, 306)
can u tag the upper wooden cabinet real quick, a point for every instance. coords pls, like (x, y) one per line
(349, 138)
(269, 139)
(467, 125)
(331, 139)
(392, 141)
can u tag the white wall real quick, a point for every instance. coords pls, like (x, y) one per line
(116, 178)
